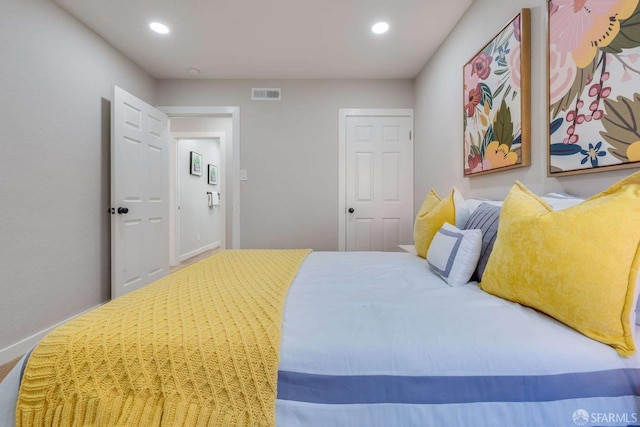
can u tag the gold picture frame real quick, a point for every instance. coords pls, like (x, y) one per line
(592, 87)
(497, 101)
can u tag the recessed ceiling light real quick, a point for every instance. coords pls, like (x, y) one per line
(159, 28)
(194, 71)
(380, 28)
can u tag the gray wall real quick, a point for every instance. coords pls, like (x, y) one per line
(56, 81)
(290, 150)
(438, 111)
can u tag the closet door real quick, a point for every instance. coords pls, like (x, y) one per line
(379, 181)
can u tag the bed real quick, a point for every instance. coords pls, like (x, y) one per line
(380, 339)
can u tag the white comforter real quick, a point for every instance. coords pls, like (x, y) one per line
(388, 343)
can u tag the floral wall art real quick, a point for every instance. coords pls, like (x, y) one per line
(594, 85)
(497, 101)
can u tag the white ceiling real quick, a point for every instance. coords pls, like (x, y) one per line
(273, 39)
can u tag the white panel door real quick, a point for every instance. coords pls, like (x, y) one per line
(379, 181)
(139, 193)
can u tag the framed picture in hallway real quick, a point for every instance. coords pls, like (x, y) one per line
(213, 174)
(496, 104)
(195, 160)
(593, 81)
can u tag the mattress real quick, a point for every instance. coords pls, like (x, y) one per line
(376, 339)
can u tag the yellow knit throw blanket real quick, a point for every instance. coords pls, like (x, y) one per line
(199, 347)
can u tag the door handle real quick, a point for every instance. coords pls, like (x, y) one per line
(122, 210)
(351, 210)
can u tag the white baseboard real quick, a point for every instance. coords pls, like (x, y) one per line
(22, 347)
(191, 254)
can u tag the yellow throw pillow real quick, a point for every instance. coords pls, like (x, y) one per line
(433, 213)
(578, 265)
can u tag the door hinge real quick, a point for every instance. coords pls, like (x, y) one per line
(409, 135)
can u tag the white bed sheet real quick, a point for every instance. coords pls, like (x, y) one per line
(386, 316)
(9, 394)
(386, 313)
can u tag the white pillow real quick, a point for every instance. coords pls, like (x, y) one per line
(461, 209)
(472, 204)
(559, 201)
(454, 253)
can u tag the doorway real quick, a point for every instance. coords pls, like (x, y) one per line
(199, 214)
(189, 117)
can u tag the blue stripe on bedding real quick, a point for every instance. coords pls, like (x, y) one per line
(355, 389)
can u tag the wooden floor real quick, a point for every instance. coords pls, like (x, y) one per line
(193, 260)
(4, 369)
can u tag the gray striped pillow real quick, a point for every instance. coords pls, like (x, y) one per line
(484, 218)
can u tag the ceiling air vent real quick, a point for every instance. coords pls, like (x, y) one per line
(266, 94)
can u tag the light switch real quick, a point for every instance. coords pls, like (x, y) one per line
(243, 174)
